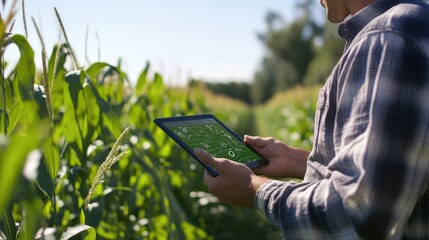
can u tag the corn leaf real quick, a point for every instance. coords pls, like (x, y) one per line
(25, 68)
(84, 231)
(82, 113)
(142, 81)
(32, 218)
(13, 153)
(15, 114)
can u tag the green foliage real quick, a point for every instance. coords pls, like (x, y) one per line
(87, 232)
(289, 52)
(62, 136)
(53, 149)
(289, 116)
(302, 52)
(236, 90)
(326, 56)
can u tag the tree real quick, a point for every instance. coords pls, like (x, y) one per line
(289, 50)
(236, 90)
(274, 75)
(327, 52)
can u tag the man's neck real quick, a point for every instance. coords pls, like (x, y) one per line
(357, 5)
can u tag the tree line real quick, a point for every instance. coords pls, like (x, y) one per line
(302, 52)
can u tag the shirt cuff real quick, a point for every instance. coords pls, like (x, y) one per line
(260, 201)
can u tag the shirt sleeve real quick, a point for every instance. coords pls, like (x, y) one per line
(371, 186)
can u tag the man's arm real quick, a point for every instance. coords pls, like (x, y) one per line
(283, 161)
(375, 180)
(377, 176)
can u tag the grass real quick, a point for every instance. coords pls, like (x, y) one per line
(296, 95)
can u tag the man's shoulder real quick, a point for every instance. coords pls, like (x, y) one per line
(408, 19)
(404, 16)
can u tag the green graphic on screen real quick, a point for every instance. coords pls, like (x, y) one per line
(213, 138)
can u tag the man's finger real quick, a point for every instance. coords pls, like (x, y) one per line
(205, 157)
(255, 141)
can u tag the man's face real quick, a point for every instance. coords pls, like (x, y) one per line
(336, 10)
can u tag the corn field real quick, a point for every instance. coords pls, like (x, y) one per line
(81, 159)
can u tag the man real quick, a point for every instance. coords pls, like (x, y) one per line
(367, 174)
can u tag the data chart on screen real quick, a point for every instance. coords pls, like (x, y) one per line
(213, 138)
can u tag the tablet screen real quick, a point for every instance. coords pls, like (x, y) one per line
(209, 135)
(205, 131)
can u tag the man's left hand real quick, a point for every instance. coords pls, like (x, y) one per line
(236, 183)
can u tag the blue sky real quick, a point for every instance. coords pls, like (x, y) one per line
(212, 40)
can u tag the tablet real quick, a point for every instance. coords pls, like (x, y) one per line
(207, 132)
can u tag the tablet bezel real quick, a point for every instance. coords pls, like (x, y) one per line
(160, 122)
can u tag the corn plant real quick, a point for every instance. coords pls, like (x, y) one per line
(81, 158)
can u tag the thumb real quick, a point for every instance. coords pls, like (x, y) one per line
(205, 157)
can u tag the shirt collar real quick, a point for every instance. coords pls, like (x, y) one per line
(352, 25)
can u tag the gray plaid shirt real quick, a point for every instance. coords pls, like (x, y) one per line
(367, 175)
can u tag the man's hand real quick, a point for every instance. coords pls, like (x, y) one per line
(284, 161)
(236, 183)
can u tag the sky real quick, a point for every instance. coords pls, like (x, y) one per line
(181, 39)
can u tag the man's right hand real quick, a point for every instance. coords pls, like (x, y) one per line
(284, 161)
